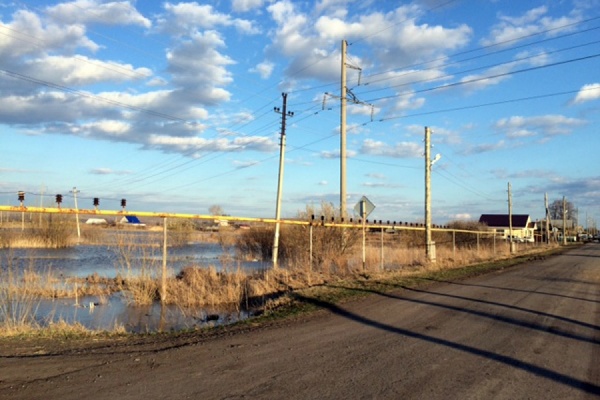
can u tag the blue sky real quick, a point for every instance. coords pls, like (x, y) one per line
(170, 105)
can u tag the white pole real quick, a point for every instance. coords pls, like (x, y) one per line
(75, 191)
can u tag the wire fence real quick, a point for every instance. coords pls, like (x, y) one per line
(375, 233)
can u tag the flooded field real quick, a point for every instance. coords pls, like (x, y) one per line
(107, 261)
(106, 312)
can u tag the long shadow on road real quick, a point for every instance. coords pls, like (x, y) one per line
(508, 320)
(579, 384)
(512, 289)
(493, 303)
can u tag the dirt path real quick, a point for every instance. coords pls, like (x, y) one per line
(530, 332)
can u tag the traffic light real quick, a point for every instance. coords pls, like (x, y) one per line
(123, 203)
(96, 202)
(21, 196)
(58, 199)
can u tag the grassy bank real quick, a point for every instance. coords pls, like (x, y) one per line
(336, 292)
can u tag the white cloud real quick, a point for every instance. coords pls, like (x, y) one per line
(246, 5)
(197, 144)
(588, 93)
(500, 73)
(264, 69)
(316, 53)
(81, 70)
(399, 150)
(485, 148)
(200, 54)
(544, 126)
(92, 11)
(108, 171)
(534, 21)
(28, 35)
(336, 154)
(186, 19)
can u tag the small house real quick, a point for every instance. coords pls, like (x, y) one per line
(96, 221)
(132, 220)
(522, 227)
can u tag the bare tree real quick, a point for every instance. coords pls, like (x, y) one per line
(556, 210)
(216, 209)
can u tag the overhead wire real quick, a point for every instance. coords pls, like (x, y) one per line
(441, 111)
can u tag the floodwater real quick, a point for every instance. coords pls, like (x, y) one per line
(109, 261)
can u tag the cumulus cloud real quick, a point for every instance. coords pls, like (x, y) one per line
(198, 145)
(98, 12)
(264, 69)
(534, 21)
(336, 154)
(200, 53)
(246, 5)
(499, 73)
(543, 126)
(316, 53)
(188, 18)
(588, 93)
(399, 150)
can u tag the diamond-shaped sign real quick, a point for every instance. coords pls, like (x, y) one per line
(364, 207)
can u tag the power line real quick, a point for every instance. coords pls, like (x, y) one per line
(488, 77)
(495, 103)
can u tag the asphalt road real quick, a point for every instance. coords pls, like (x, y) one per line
(530, 332)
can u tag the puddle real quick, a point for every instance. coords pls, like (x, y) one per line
(107, 314)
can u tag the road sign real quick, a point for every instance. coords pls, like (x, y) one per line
(364, 207)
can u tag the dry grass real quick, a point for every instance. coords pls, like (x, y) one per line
(201, 287)
(138, 267)
(336, 256)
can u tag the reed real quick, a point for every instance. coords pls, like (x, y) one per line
(138, 266)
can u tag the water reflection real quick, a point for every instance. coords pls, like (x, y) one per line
(84, 260)
(112, 311)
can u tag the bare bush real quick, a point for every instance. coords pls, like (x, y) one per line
(199, 286)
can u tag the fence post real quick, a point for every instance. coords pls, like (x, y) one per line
(454, 245)
(163, 289)
(310, 247)
(381, 268)
(478, 243)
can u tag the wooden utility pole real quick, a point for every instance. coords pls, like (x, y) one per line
(564, 220)
(547, 219)
(284, 114)
(429, 245)
(343, 104)
(345, 93)
(510, 229)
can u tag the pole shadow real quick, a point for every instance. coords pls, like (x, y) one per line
(546, 373)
